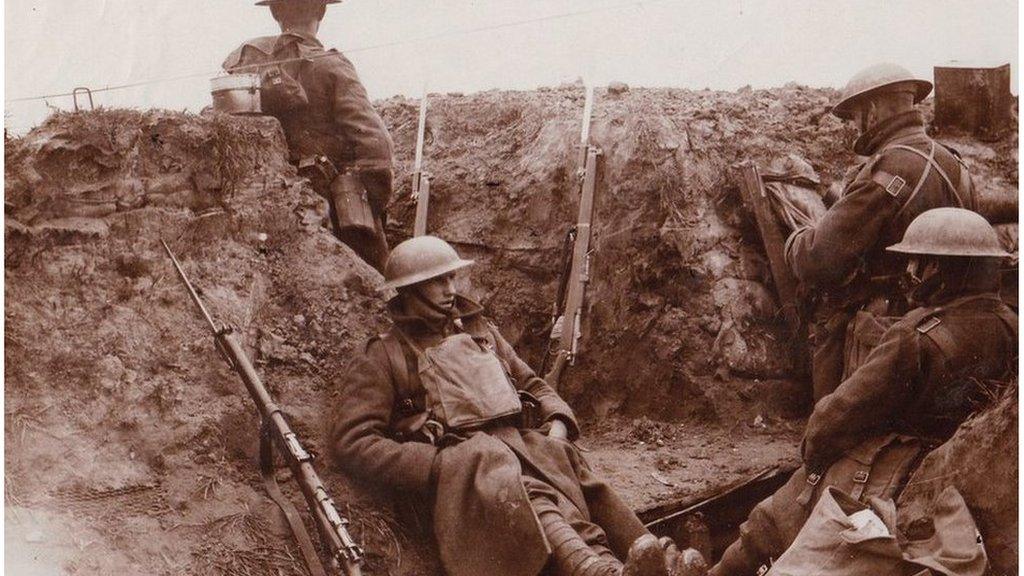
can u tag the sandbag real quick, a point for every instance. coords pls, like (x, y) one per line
(834, 542)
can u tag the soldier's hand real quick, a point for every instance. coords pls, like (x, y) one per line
(558, 430)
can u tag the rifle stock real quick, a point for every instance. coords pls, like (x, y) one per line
(332, 527)
(570, 305)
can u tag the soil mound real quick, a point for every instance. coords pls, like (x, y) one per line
(131, 445)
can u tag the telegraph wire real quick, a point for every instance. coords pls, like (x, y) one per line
(418, 39)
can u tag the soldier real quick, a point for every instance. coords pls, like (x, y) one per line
(842, 257)
(434, 412)
(929, 372)
(334, 135)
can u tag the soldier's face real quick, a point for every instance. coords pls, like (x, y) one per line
(863, 117)
(439, 292)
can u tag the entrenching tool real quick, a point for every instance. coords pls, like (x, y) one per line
(346, 555)
(568, 310)
(421, 179)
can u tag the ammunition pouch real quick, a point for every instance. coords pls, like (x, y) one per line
(878, 467)
(320, 172)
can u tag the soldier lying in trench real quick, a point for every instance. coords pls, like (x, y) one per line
(433, 411)
(924, 377)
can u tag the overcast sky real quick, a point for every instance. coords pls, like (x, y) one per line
(398, 45)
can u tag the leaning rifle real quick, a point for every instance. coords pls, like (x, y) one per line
(421, 179)
(568, 310)
(346, 555)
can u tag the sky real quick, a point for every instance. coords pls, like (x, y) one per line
(400, 46)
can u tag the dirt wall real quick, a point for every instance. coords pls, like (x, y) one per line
(131, 446)
(682, 308)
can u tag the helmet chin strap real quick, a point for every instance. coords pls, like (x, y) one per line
(923, 279)
(441, 312)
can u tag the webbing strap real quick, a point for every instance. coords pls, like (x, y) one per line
(930, 163)
(397, 362)
(298, 529)
(943, 339)
(1008, 318)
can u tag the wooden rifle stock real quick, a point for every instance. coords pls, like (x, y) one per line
(569, 312)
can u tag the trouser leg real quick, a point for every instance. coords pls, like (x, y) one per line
(607, 509)
(768, 531)
(578, 547)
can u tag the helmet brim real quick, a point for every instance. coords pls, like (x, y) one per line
(425, 275)
(844, 108)
(269, 2)
(919, 250)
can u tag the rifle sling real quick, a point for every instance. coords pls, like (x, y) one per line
(302, 538)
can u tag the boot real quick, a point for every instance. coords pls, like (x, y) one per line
(689, 562)
(646, 558)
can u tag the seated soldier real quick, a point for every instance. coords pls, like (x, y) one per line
(433, 411)
(924, 378)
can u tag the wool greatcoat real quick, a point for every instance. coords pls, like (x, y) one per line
(923, 379)
(477, 485)
(842, 258)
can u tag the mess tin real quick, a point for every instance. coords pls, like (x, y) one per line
(236, 93)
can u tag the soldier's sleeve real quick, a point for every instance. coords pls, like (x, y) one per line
(359, 431)
(826, 254)
(865, 402)
(551, 404)
(355, 116)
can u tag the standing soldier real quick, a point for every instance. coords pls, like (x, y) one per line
(842, 257)
(335, 137)
(930, 370)
(434, 412)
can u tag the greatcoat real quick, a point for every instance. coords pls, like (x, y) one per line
(842, 258)
(921, 381)
(483, 519)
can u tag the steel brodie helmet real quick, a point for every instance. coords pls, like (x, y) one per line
(418, 259)
(879, 78)
(950, 232)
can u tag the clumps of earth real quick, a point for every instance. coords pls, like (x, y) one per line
(131, 446)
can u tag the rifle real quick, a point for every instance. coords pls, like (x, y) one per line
(567, 315)
(421, 179)
(345, 553)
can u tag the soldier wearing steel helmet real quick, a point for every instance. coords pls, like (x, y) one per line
(433, 412)
(334, 134)
(928, 373)
(842, 258)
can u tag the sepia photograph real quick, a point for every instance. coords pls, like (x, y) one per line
(511, 287)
